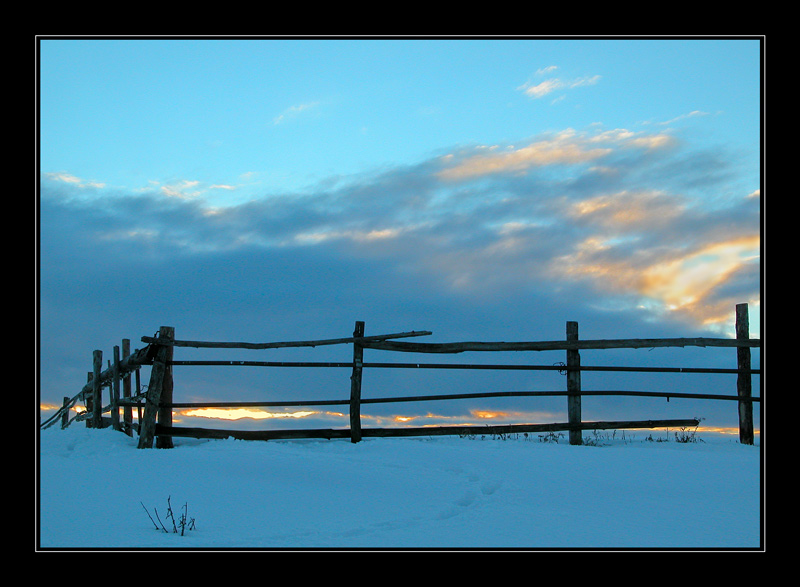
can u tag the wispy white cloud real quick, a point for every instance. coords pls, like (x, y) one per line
(692, 114)
(293, 112)
(551, 85)
(182, 189)
(186, 188)
(544, 70)
(542, 88)
(72, 180)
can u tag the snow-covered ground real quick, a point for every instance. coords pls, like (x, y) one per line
(97, 490)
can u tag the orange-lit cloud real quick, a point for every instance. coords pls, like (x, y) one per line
(627, 210)
(564, 148)
(363, 236)
(540, 153)
(487, 415)
(682, 283)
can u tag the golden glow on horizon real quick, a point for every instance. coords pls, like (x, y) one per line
(239, 413)
(434, 419)
(730, 430)
(487, 415)
(517, 417)
(53, 407)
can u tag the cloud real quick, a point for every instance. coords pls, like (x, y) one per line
(354, 235)
(551, 85)
(538, 154)
(293, 111)
(584, 81)
(564, 148)
(182, 189)
(628, 211)
(692, 114)
(68, 178)
(686, 283)
(543, 88)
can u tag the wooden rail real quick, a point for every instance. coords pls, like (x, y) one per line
(330, 433)
(556, 345)
(156, 404)
(281, 345)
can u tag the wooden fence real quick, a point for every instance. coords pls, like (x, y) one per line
(155, 405)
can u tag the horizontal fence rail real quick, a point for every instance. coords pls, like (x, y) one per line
(479, 366)
(330, 433)
(282, 345)
(451, 396)
(155, 404)
(555, 345)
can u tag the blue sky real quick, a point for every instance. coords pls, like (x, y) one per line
(484, 189)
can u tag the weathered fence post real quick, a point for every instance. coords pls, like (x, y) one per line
(115, 392)
(127, 411)
(147, 426)
(355, 385)
(65, 413)
(138, 376)
(743, 381)
(573, 385)
(165, 413)
(88, 400)
(97, 400)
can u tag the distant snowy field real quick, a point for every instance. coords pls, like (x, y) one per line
(404, 493)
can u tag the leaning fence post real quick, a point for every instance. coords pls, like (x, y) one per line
(355, 385)
(97, 400)
(147, 426)
(115, 392)
(743, 381)
(165, 412)
(573, 385)
(65, 413)
(138, 376)
(88, 400)
(127, 411)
